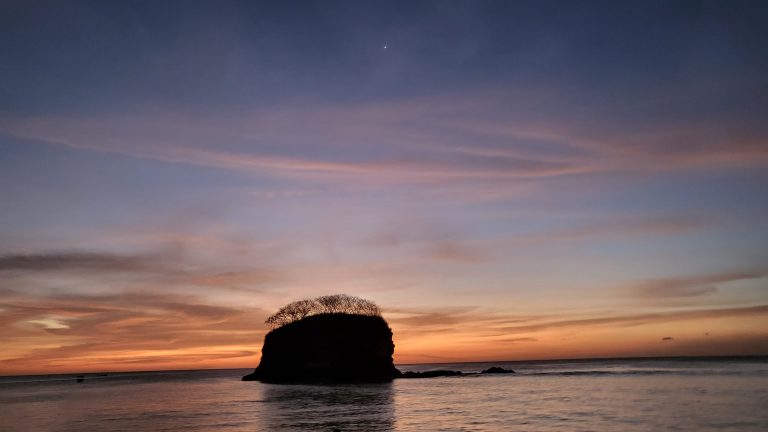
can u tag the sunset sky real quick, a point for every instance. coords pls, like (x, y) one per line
(507, 180)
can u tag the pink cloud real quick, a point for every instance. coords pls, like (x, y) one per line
(417, 141)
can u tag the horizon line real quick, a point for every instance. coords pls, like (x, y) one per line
(577, 359)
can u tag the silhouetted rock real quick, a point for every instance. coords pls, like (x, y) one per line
(497, 370)
(430, 374)
(328, 348)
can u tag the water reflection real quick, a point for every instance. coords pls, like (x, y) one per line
(368, 407)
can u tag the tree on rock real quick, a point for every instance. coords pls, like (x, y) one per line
(330, 304)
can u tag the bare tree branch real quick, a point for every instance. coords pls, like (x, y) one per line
(330, 304)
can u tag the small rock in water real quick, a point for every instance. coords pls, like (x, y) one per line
(497, 370)
(431, 374)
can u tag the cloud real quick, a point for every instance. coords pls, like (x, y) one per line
(431, 243)
(219, 264)
(516, 340)
(430, 317)
(90, 261)
(235, 279)
(625, 226)
(455, 252)
(667, 338)
(59, 332)
(170, 140)
(692, 286)
(640, 319)
(613, 228)
(490, 323)
(449, 142)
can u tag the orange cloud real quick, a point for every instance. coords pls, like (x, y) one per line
(119, 332)
(472, 334)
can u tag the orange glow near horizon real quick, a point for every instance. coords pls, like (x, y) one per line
(736, 335)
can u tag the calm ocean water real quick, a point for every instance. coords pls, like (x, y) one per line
(594, 395)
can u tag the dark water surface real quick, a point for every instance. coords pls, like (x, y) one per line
(595, 395)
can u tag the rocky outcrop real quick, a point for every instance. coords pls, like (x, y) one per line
(497, 370)
(431, 374)
(328, 348)
(337, 347)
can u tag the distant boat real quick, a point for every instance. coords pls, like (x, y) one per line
(80, 378)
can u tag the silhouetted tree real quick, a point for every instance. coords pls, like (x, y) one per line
(338, 303)
(330, 303)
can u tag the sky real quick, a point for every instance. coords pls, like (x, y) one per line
(506, 180)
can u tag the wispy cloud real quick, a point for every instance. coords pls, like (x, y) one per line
(432, 317)
(621, 226)
(455, 252)
(477, 250)
(489, 323)
(691, 286)
(448, 142)
(474, 333)
(640, 319)
(88, 261)
(121, 328)
(174, 141)
(515, 340)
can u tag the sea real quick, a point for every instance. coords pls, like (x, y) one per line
(662, 394)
